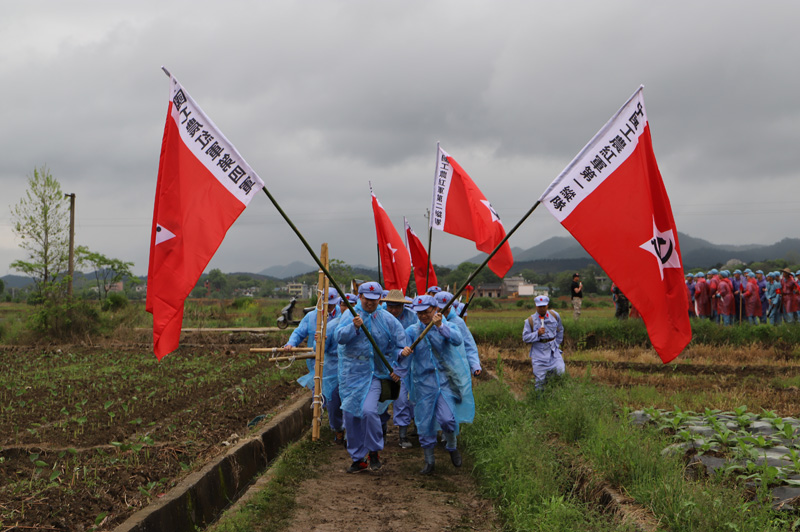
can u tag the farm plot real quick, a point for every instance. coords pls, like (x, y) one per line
(90, 435)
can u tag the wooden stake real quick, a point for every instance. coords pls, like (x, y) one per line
(280, 350)
(322, 326)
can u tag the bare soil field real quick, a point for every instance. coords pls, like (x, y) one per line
(88, 435)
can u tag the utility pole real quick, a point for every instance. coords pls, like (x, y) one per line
(71, 241)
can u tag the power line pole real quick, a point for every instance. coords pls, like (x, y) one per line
(71, 241)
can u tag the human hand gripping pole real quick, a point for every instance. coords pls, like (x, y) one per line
(446, 308)
(330, 278)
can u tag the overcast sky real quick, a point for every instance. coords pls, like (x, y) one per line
(321, 97)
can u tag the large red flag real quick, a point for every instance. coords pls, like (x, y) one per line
(461, 209)
(419, 259)
(203, 186)
(612, 199)
(395, 261)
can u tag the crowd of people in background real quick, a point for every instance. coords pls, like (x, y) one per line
(744, 296)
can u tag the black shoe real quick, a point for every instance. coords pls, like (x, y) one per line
(427, 470)
(375, 461)
(455, 457)
(405, 443)
(339, 438)
(358, 466)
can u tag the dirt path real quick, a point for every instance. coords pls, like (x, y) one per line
(395, 499)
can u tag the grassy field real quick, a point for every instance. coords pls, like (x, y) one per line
(97, 421)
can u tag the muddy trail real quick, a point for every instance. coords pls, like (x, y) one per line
(394, 499)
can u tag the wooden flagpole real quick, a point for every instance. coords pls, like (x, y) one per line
(476, 272)
(322, 326)
(330, 278)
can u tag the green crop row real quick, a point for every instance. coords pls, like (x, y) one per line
(530, 474)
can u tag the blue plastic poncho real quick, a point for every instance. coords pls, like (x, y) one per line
(470, 346)
(438, 368)
(357, 361)
(306, 330)
(330, 371)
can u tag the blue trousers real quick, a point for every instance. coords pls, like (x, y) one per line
(445, 418)
(334, 406)
(403, 407)
(364, 434)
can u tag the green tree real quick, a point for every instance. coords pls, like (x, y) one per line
(218, 281)
(41, 221)
(107, 271)
(2, 286)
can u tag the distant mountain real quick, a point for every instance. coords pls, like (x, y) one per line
(16, 281)
(289, 270)
(696, 253)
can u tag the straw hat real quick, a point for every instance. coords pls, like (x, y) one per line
(396, 296)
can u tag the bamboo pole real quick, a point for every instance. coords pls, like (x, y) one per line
(330, 278)
(319, 359)
(280, 350)
(292, 358)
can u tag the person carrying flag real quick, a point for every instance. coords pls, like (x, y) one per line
(361, 372)
(545, 333)
(402, 408)
(470, 347)
(441, 387)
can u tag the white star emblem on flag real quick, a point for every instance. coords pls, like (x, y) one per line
(393, 250)
(662, 246)
(163, 234)
(495, 217)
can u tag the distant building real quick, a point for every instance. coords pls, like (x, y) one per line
(299, 290)
(511, 287)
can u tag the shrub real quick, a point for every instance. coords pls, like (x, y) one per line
(483, 302)
(241, 303)
(62, 319)
(115, 301)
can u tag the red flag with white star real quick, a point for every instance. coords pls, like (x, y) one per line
(612, 199)
(419, 260)
(203, 186)
(395, 260)
(461, 209)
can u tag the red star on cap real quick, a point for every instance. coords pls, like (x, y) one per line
(371, 288)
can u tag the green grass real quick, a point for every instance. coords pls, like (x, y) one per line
(272, 507)
(592, 429)
(526, 477)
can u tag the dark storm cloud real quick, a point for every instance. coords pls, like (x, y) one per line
(322, 97)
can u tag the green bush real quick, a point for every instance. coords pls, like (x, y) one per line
(483, 302)
(63, 319)
(241, 303)
(115, 301)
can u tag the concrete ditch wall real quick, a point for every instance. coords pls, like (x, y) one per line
(203, 495)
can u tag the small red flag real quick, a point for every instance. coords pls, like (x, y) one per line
(203, 185)
(461, 209)
(419, 259)
(612, 199)
(395, 261)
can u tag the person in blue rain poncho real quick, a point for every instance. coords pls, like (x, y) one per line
(330, 377)
(403, 408)
(545, 333)
(471, 348)
(441, 386)
(306, 330)
(361, 372)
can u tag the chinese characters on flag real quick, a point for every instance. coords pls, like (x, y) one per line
(612, 199)
(460, 208)
(203, 185)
